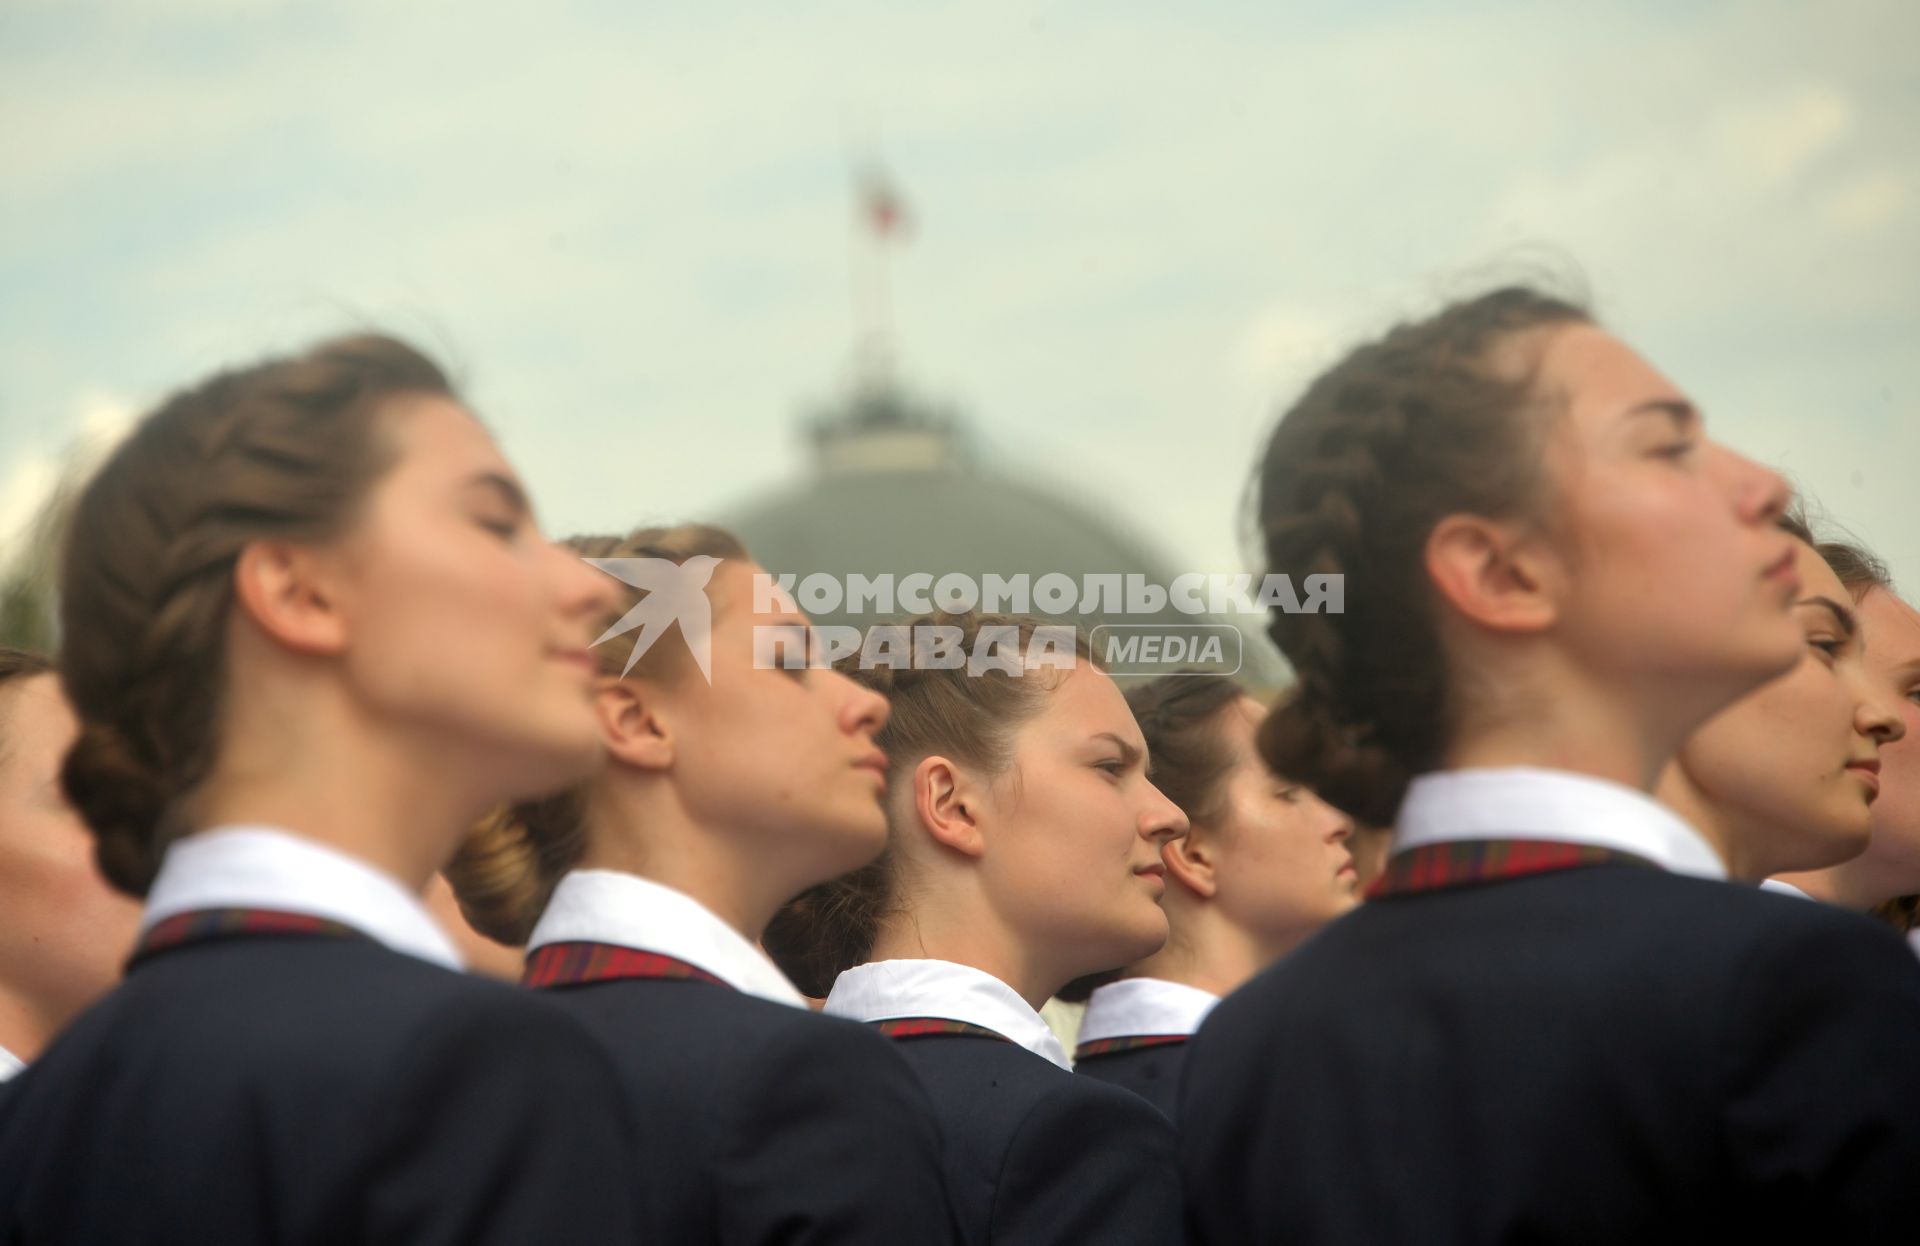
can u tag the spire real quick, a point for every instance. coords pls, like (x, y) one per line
(881, 220)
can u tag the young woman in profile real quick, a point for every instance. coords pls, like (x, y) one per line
(641, 895)
(1885, 879)
(66, 932)
(1785, 778)
(1552, 1020)
(311, 633)
(1023, 851)
(1264, 864)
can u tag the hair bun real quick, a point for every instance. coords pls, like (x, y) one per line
(122, 800)
(1339, 760)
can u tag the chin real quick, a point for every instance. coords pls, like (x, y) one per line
(1145, 935)
(1850, 840)
(857, 841)
(554, 760)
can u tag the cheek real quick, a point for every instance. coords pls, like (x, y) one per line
(1897, 811)
(454, 611)
(1769, 750)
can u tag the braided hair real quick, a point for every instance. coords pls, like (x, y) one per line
(1401, 433)
(284, 450)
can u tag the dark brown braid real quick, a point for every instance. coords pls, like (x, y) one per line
(285, 450)
(1404, 431)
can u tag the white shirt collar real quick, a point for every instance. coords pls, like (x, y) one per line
(264, 867)
(887, 989)
(607, 906)
(1785, 889)
(10, 1064)
(1133, 1007)
(1526, 802)
(1913, 941)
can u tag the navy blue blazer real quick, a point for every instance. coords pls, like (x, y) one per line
(766, 1123)
(1599, 1055)
(1153, 1072)
(1039, 1157)
(315, 1089)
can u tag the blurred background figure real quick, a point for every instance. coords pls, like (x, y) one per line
(1264, 864)
(65, 932)
(1786, 777)
(1885, 879)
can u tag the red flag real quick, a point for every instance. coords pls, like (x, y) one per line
(885, 210)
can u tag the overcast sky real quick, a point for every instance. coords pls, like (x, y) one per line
(1138, 227)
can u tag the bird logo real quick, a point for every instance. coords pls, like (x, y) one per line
(675, 593)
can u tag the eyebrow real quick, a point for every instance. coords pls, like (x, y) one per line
(510, 492)
(1682, 413)
(1905, 669)
(1841, 615)
(1129, 753)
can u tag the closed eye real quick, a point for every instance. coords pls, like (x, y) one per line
(1831, 646)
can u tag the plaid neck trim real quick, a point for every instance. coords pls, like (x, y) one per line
(204, 925)
(927, 1027)
(1130, 1042)
(570, 964)
(1434, 867)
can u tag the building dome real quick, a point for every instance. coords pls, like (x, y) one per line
(896, 489)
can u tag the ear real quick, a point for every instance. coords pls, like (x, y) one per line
(1189, 858)
(946, 808)
(633, 723)
(1493, 574)
(286, 590)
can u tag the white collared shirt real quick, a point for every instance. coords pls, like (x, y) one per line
(886, 990)
(608, 906)
(1528, 802)
(10, 1064)
(1133, 1007)
(264, 867)
(1785, 889)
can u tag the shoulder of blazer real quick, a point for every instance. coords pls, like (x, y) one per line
(1089, 1162)
(813, 1088)
(477, 1078)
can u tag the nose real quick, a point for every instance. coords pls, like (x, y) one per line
(1877, 716)
(1162, 821)
(583, 592)
(861, 709)
(1339, 824)
(1761, 495)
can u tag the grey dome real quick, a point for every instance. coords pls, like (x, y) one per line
(896, 490)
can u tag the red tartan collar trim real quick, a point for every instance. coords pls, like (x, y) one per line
(1127, 1042)
(574, 963)
(1435, 867)
(206, 925)
(928, 1027)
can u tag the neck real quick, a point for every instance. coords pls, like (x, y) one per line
(1207, 951)
(650, 834)
(25, 1025)
(1744, 848)
(326, 774)
(1553, 715)
(1839, 885)
(965, 931)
